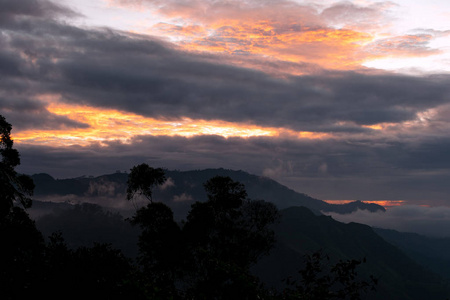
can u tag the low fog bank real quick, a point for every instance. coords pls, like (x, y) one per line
(429, 221)
(43, 206)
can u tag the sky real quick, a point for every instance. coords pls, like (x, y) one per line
(341, 100)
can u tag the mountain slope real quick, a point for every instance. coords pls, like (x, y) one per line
(301, 232)
(434, 253)
(184, 188)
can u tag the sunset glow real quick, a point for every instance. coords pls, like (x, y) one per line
(112, 125)
(336, 49)
(385, 203)
(246, 33)
(335, 99)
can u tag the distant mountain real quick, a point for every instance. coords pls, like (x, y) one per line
(434, 253)
(86, 224)
(184, 188)
(301, 232)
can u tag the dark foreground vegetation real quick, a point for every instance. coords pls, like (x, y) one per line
(207, 256)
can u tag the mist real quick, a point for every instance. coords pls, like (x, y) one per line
(429, 221)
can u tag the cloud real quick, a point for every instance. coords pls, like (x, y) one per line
(167, 184)
(208, 11)
(430, 221)
(182, 198)
(285, 30)
(375, 170)
(407, 45)
(86, 66)
(31, 8)
(347, 14)
(385, 135)
(158, 81)
(103, 187)
(31, 114)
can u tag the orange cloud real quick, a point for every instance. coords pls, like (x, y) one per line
(109, 125)
(340, 35)
(326, 47)
(384, 203)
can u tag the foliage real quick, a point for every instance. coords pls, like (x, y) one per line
(98, 272)
(85, 223)
(14, 187)
(21, 254)
(31, 268)
(321, 281)
(159, 246)
(209, 256)
(142, 179)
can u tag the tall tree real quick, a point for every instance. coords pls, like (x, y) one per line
(210, 256)
(225, 236)
(14, 187)
(22, 244)
(160, 239)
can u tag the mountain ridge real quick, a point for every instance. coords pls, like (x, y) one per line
(185, 187)
(301, 232)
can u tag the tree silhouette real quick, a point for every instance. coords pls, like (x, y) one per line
(22, 247)
(160, 239)
(319, 280)
(209, 257)
(225, 236)
(160, 249)
(22, 243)
(13, 186)
(97, 272)
(143, 179)
(30, 268)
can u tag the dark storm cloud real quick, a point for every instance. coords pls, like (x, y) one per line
(31, 8)
(9, 64)
(112, 69)
(29, 114)
(176, 84)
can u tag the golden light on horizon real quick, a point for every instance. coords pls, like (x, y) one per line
(105, 125)
(385, 203)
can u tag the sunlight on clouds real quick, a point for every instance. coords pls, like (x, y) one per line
(112, 125)
(385, 203)
(331, 34)
(329, 48)
(412, 65)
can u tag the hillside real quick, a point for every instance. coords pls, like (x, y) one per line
(431, 252)
(181, 190)
(301, 232)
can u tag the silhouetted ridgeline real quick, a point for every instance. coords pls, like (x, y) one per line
(431, 252)
(183, 189)
(298, 232)
(301, 232)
